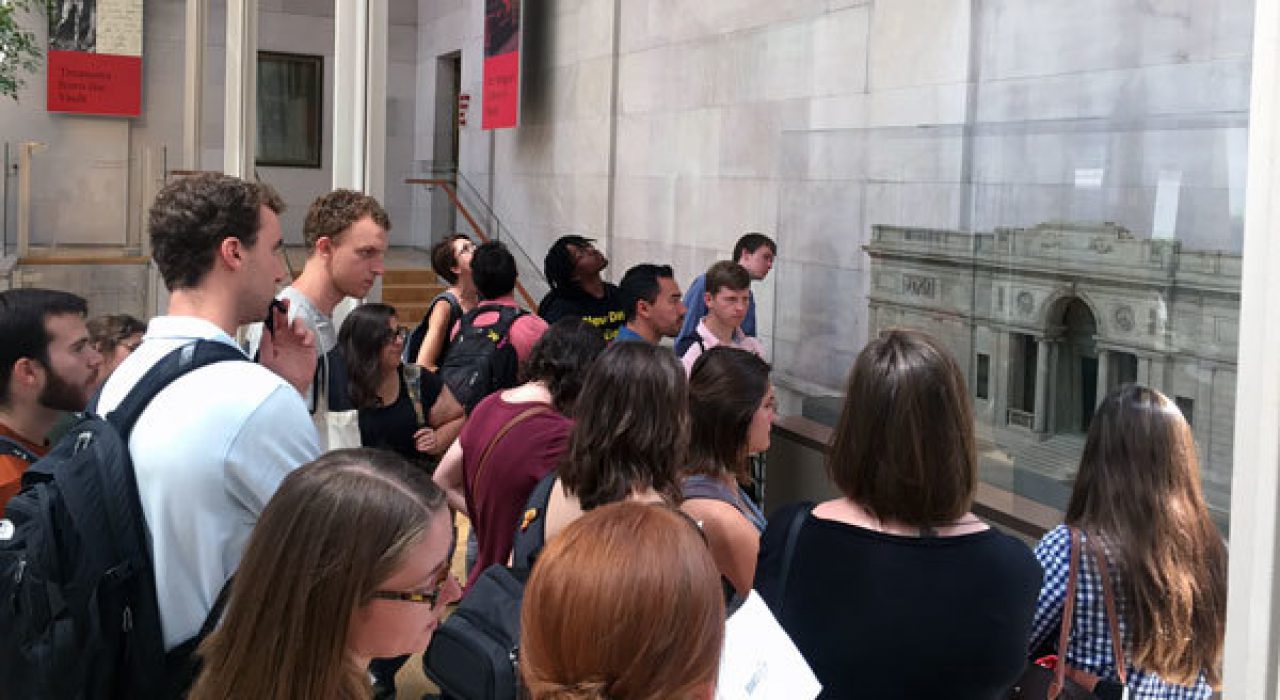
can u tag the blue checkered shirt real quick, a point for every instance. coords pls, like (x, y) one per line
(1089, 647)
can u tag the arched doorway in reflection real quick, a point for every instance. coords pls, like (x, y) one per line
(1074, 385)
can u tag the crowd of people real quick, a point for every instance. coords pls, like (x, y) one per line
(299, 505)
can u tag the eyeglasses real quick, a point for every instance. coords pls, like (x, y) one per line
(415, 597)
(400, 335)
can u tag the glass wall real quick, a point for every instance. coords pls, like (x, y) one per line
(1071, 221)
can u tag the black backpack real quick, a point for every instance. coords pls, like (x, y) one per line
(78, 610)
(414, 343)
(481, 359)
(474, 654)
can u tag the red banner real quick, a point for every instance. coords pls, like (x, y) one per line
(501, 96)
(95, 83)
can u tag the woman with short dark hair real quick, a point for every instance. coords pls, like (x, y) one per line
(515, 437)
(896, 589)
(1138, 494)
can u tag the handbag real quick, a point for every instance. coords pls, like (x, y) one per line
(474, 654)
(1040, 683)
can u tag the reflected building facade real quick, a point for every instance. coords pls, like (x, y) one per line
(1048, 319)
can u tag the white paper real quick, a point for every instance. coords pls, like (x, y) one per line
(759, 660)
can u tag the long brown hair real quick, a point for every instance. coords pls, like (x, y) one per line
(632, 429)
(335, 530)
(624, 604)
(726, 387)
(1138, 490)
(364, 333)
(904, 447)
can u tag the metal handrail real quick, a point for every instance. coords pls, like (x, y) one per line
(451, 191)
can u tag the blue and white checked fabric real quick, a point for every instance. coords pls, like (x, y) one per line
(1089, 647)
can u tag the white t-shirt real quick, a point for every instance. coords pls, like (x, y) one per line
(209, 452)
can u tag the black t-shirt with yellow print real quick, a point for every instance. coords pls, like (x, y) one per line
(608, 313)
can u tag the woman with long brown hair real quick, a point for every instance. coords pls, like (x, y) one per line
(731, 404)
(662, 643)
(1138, 494)
(419, 421)
(349, 562)
(631, 434)
(896, 589)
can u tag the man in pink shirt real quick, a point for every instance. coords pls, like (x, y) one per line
(493, 270)
(728, 294)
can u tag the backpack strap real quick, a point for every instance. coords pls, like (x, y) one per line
(11, 447)
(177, 363)
(497, 437)
(531, 532)
(182, 665)
(789, 552)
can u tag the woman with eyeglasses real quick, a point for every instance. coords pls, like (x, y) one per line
(311, 604)
(411, 418)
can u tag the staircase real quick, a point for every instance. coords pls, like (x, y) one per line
(410, 289)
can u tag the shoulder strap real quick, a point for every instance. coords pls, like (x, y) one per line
(12, 447)
(700, 486)
(497, 437)
(788, 553)
(1068, 610)
(531, 532)
(177, 363)
(1113, 620)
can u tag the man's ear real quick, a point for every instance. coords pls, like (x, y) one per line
(27, 372)
(643, 308)
(231, 252)
(324, 246)
(706, 298)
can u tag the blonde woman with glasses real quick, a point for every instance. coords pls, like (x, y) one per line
(349, 562)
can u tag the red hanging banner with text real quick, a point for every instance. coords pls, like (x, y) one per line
(95, 57)
(500, 101)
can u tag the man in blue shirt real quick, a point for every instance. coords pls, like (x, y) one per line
(654, 309)
(754, 251)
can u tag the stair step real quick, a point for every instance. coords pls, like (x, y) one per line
(410, 294)
(409, 276)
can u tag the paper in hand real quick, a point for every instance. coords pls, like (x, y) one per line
(759, 661)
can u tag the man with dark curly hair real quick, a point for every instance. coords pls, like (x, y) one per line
(212, 447)
(346, 236)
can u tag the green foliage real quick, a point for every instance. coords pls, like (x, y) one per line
(20, 54)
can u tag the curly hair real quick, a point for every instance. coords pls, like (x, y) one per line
(561, 358)
(335, 212)
(557, 267)
(193, 215)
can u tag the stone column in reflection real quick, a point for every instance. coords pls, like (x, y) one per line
(1042, 384)
(1104, 376)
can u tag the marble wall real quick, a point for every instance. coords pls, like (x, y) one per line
(667, 129)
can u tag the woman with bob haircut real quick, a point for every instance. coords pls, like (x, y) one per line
(1138, 494)
(631, 434)
(731, 405)
(411, 423)
(312, 602)
(519, 434)
(896, 589)
(451, 260)
(577, 642)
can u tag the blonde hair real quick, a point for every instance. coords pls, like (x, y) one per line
(334, 531)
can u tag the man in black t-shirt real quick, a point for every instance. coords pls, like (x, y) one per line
(573, 267)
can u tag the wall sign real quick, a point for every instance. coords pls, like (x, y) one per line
(95, 57)
(501, 96)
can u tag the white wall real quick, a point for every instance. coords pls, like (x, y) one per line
(87, 186)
